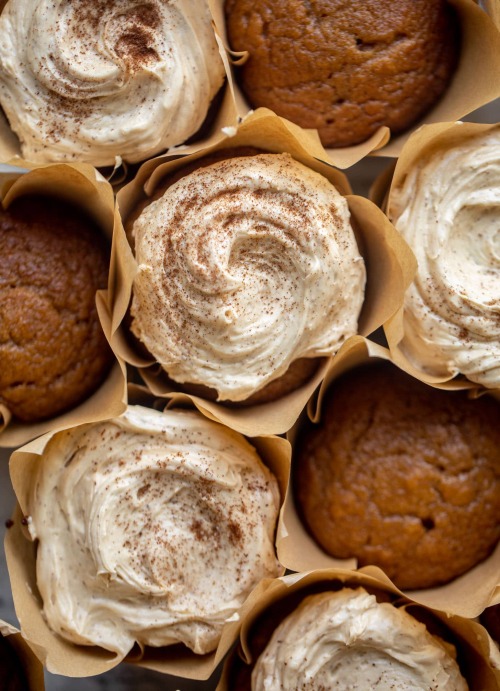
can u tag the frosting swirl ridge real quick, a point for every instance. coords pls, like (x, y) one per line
(152, 527)
(96, 80)
(347, 640)
(244, 266)
(447, 210)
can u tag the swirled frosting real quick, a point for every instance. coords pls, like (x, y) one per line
(448, 210)
(347, 640)
(152, 527)
(91, 80)
(244, 266)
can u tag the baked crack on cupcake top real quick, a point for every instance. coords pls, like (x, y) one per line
(92, 80)
(152, 528)
(245, 266)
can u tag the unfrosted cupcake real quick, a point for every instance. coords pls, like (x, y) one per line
(401, 475)
(53, 352)
(345, 68)
(98, 81)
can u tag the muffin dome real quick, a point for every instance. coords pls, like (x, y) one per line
(345, 68)
(402, 476)
(52, 348)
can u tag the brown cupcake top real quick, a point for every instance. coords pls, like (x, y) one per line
(53, 352)
(402, 476)
(345, 68)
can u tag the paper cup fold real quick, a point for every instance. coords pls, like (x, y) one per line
(23, 656)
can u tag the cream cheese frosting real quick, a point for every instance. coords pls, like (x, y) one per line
(447, 209)
(244, 266)
(92, 80)
(347, 640)
(152, 528)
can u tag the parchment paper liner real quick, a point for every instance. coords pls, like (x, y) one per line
(226, 115)
(83, 186)
(492, 7)
(474, 84)
(32, 668)
(467, 595)
(390, 267)
(478, 656)
(62, 657)
(422, 143)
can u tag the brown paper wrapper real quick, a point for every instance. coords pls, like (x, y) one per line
(63, 657)
(83, 186)
(421, 144)
(477, 658)
(390, 268)
(469, 89)
(466, 596)
(30, 664)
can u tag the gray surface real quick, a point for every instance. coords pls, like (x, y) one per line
(126, 677)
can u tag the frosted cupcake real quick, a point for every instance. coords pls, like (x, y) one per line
(99, 81)
(343, 629)
(246, 267)
(446, 204)
(152, 528)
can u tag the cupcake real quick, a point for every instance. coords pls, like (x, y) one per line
(152, 529)
(53, 352)
(101, 81)
(345, 629)
(347, 639)
(248, 272)
(400, 475)
(445, 203)
(345, 69)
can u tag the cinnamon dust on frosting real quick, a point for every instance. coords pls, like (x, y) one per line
(243, 267)
(92, 80)
(152, 528)
(348, 640)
